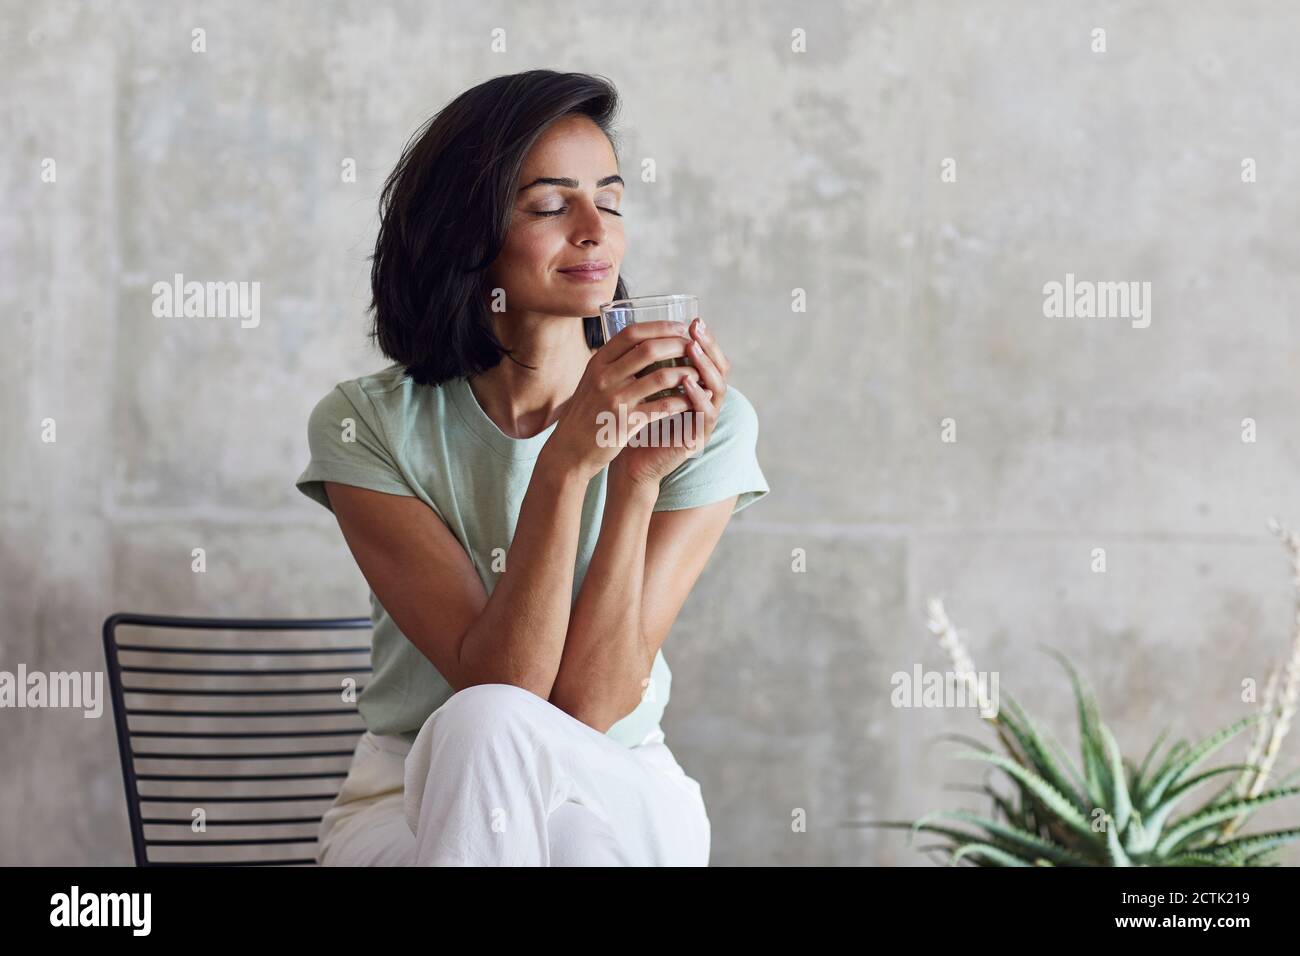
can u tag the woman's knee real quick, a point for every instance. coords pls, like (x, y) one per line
(476, 730)
(485, 710)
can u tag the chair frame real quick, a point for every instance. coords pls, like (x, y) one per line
(126, 751)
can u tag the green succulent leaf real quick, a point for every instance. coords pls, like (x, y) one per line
(1117, 855)
(1258, 849)
(1256, 844)
(1094, 766)
(1267, 858)
(1003, 805)
(1186, 786)
(1025, 843)
(1195, 859)
(1121, 807)
(924, 825)
(1040, 788)
(1076, 777)
(1181, 765)
(1140, 779)
(1172, 754)
(962, 739)
(1230, 790)
(1190, 826)
(997, 856)
(1034, 746)
(1155, 820)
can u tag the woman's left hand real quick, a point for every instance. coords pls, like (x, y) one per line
(649, 464)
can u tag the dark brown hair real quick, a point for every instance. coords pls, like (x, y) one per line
(444, 213)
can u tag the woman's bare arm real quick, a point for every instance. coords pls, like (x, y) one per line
(425, 580)
(604, 660)
(643, 568)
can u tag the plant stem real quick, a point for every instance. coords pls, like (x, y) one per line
(1280, 711)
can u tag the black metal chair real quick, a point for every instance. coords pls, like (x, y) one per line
(255, 733)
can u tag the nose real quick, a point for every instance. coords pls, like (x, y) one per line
(589, 223)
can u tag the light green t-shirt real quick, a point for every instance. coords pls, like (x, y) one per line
(386, 433)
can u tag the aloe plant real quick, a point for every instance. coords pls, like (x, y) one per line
(1108, 811)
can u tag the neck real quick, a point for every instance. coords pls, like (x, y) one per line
(526, 401)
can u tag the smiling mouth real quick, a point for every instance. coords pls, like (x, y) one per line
(592, 272)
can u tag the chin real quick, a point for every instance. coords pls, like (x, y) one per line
(588, 303)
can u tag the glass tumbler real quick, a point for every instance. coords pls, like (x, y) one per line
(617, 315)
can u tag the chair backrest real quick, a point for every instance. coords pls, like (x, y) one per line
(243, 741)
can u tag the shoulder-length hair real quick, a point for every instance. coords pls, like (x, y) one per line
(444, 213)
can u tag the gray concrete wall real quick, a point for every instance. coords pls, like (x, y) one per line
(777, 171)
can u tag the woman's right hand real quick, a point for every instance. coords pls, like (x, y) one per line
(591, 431)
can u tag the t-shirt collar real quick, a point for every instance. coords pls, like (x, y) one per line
(478, 421)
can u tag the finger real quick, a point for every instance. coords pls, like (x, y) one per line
(634, 333)
(646, 353)
(701, 334)
(661, 378)
(710, 375)
(654, 411)
(701, 397)
(703, 416)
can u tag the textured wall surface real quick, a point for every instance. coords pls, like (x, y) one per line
(777, 170)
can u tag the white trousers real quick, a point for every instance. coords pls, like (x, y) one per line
(497, 776)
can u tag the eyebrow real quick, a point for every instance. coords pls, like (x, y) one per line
(571, 183)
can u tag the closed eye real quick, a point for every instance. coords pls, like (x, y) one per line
(556, 212)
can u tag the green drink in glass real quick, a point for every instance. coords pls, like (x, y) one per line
(619, 314)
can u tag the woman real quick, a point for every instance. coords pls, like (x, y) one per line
(524, 573)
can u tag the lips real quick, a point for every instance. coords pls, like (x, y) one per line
(598, 270)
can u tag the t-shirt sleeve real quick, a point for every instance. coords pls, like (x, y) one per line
(728, 464)
(344, 437)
